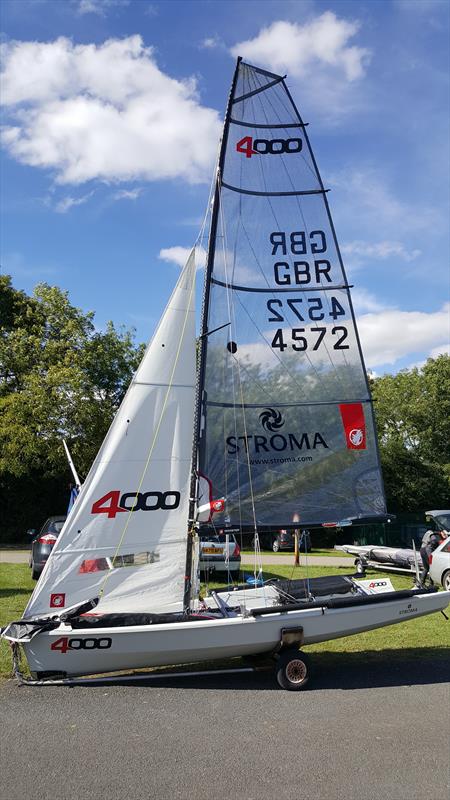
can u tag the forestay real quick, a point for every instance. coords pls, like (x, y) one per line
(288, 432)
(125, 538)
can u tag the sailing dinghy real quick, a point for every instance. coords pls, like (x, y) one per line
(272, 428)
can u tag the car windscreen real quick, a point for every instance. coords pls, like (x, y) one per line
(219, 538)
(56, 526)
(443, 521)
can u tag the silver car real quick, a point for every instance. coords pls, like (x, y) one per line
(219, 553)
(440, 558)
(440, 564)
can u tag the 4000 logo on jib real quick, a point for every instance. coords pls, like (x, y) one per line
(115, 502)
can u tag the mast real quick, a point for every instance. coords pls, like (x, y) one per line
(204, 335)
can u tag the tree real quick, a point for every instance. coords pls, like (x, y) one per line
(413, 417)
(59, 378)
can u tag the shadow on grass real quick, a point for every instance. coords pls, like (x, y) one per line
(13, 592)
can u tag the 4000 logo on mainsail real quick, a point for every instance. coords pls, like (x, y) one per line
(273, 147)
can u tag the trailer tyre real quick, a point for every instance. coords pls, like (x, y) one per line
(360, 567)
(293, 670)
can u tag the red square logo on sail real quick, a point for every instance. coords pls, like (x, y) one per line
(57, 600)
(352, 415)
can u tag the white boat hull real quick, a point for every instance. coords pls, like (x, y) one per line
(91, 651)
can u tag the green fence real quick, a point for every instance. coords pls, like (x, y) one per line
(401, 532)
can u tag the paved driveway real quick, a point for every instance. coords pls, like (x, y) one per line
(14, 556)
(361, 733)
(21, 557)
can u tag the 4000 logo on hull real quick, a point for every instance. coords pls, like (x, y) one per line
(113, 503)
(64, 643)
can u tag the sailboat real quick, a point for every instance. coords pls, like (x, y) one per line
(267, 424)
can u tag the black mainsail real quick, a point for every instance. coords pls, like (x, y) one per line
(286, 431)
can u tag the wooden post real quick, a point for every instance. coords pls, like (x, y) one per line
(296, 518)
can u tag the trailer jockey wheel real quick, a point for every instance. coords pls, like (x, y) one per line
(293, 669)
(360, 567)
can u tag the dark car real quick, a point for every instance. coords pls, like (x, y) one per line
(284, 540)
(42, 544)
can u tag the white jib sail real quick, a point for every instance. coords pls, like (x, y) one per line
(125, 539)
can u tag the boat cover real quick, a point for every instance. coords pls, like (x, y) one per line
(316, 587)
(400, 557)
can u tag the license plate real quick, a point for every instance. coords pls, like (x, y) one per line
(213, 550)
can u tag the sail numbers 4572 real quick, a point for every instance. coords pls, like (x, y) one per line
(309, 339)
(311, 307)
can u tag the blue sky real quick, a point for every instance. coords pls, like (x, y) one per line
(111, 116)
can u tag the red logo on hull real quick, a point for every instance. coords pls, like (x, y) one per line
(57, 600)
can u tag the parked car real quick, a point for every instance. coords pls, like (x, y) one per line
(283, 540)
(213, 553)
(43, 543)
(440, 564)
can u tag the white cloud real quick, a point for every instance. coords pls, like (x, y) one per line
(364, 195)
(392, 334)
(67, 203)
(364, 301)
(180, 255)
(440, 350)
(298, 48)
(318, 55)
(379, 250)
(435, 352)
(99, 7)
(127, 194)
(212, 43)
(104, 112)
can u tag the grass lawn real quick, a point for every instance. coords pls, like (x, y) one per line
(422, 638)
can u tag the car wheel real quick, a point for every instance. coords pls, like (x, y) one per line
(276, 545)
(34, 573)
(293, 670)
(360, 568)
(446, 580)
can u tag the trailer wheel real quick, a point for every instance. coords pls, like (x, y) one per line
(360, 567)
(293, 670)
